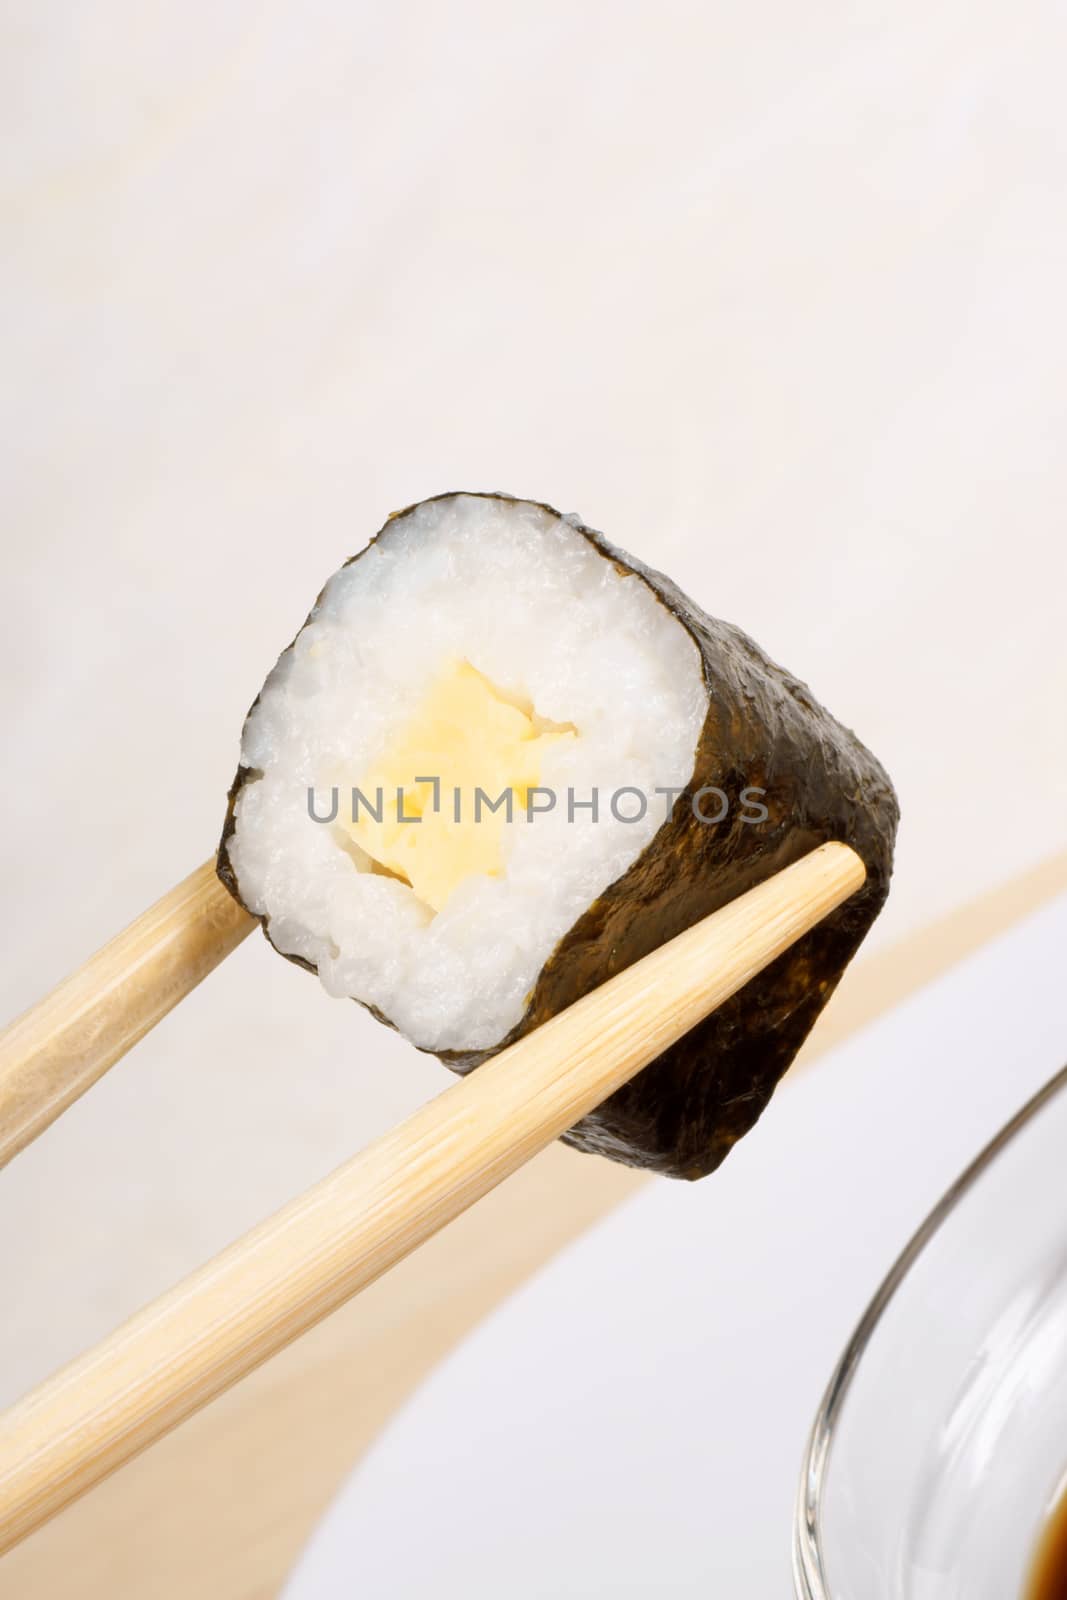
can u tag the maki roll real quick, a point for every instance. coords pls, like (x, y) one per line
(500, 762)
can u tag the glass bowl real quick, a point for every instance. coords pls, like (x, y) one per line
(941, 1443)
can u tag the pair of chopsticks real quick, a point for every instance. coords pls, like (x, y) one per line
(285, 1275)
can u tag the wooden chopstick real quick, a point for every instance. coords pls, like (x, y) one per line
(61, 1046)
(306, 1260)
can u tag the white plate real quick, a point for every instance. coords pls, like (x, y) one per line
(631, 1422)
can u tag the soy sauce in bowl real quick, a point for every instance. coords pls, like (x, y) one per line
(937, 1451)
(1048, 1580)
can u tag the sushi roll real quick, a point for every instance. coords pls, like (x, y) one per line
(500, 762)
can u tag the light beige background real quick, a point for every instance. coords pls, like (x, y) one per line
(773, 295)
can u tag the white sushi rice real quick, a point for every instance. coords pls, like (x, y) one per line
(525, 598)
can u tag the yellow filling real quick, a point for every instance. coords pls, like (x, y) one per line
(469, 737)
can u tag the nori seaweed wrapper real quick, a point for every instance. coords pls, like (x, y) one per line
(763, 730)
